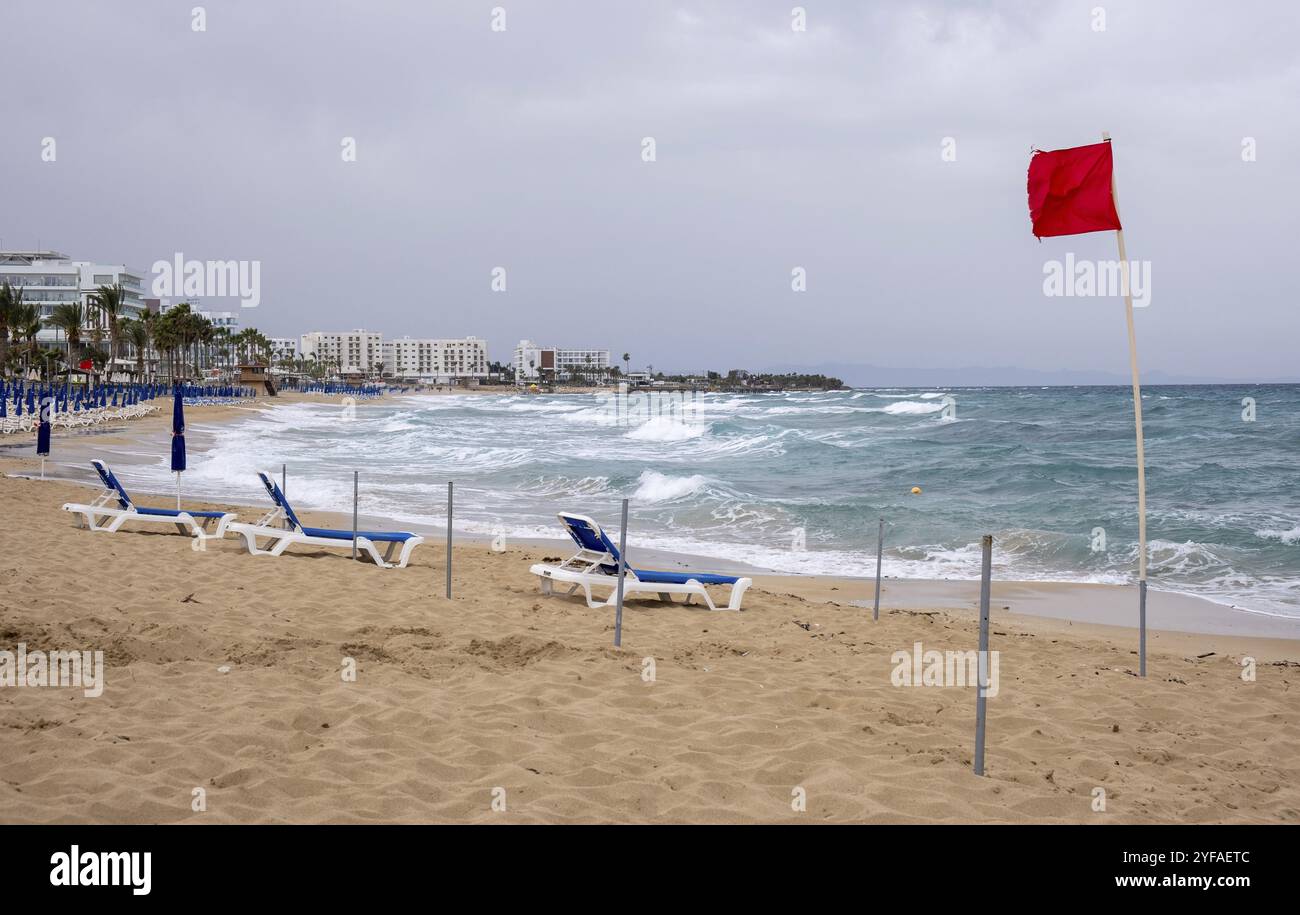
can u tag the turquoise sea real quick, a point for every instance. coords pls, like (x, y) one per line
(797, 481)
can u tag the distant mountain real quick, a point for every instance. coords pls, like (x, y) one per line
(875, 376)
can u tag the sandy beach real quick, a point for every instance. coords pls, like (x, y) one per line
(227, 673)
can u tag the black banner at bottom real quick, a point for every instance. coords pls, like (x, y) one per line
(731, 863)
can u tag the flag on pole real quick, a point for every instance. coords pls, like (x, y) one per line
(1070, 191)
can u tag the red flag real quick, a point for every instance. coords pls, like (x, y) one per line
(1070, 191)
(85, 365)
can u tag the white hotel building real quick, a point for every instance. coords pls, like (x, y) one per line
(431, 361)
(533, 362)
(352, 352)
(48, 278)
(283, 348)
(434, 361)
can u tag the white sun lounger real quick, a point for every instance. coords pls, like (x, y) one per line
(596, 565)
(187, 521)
(281, 538)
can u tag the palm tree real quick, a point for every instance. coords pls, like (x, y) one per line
(150, 321)
(166, 336)
(26, 323)
(70, 317)
(221, 346)
(194, 329)
(111, 302)
(205, 333)
(627, 363)
(165, 339)
(97, 359)
(91, 318)
(10, 300)
(48, 357)
(137, 334)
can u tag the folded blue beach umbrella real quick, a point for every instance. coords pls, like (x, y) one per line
(178, 441)
(178, 432)
(43, 431)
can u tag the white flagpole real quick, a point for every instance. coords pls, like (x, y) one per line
(1137, 420)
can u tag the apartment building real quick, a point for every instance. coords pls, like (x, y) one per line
(436, 361)
(550, 363)
(49, 279)
(351, 352)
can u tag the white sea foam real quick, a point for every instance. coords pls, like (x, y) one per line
(1189, 557)
(653, 487)
(911, 408)
(666, 429)
(1289, 537)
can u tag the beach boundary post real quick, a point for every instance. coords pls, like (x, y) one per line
(982, 662)
(622, 571)
(356, 475)
(449, 505)
(880, 552)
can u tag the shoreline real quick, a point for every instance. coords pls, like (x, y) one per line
(1102, 604)
(1169, 613)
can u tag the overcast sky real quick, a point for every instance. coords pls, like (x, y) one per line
(775, 149)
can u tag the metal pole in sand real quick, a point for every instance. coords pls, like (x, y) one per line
(880, 551)
(622, 571)
(284, 488)
(355, 476)
(449, 498)
(982, 679)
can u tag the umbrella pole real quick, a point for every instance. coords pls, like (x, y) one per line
(178, 490)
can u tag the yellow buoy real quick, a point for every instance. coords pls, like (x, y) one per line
(916, 490)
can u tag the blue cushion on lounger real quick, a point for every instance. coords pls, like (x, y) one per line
(681, 578)
(376, 536)
(172, 513)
